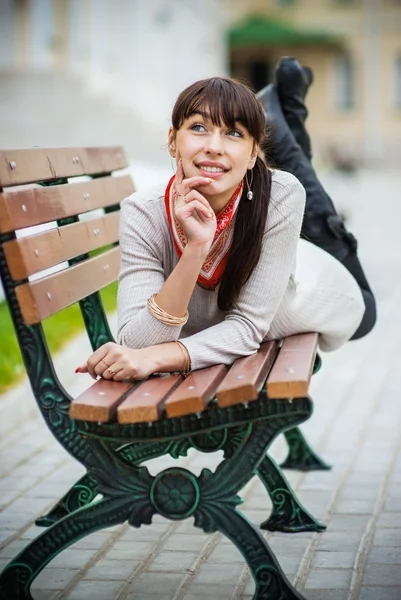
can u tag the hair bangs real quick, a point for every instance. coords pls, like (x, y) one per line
(223, 101)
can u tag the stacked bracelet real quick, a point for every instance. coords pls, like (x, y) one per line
(163, 316)
(187, 360)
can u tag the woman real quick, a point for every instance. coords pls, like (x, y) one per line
(212, 264)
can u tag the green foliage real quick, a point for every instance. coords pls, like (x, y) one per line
(59, 329)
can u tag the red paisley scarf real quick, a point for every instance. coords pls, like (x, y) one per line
(216, 260)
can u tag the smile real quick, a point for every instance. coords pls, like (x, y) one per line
(208, 169)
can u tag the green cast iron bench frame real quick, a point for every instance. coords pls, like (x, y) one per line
(115, 426)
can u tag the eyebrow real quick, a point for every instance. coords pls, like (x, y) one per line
(206, 115)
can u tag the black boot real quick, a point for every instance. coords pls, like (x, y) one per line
(321, 225)
(292, 82)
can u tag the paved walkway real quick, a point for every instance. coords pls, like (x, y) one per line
(356, 427)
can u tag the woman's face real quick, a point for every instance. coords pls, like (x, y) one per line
(215, 151)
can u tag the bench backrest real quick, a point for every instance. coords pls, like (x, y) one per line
(44, 271)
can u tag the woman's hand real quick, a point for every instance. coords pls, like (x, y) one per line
(193, 211)
(112, 361)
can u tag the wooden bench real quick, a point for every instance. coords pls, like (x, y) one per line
(114, 426)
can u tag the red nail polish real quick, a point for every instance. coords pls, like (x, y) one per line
(77, 370)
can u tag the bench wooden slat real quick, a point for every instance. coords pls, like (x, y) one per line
(146, 402)
(42, 164)
(28, 255)
(195, 392)
(34, 206)
(292, 371)
(99, 402)
(247, 376)
(44, 297)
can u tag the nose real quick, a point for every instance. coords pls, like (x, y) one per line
(214, 143)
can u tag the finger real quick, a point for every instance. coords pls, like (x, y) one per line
(193, 182)
(194, 206)
(113, 371)
(179, 176)
(195, 195)
(99, 355)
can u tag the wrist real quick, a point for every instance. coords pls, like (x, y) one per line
(196, 251)
(166, 357)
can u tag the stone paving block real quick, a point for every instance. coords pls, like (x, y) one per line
(226, 554)
(111, 570)
(173, 561)
(46, 595)
(393, 504)
(53, 579)
(191, 542)
(13, 549)
(72, 558)
(99, 590)
(340, 541)
(385, 575)
(359, 492)
(216, 591)
(388, 519)
(290, 543)
(128, 551)
(328, 579)
(355, 507)
(221, 573)
(379, 593)
(155, 586)
(333, 560)
(341, 522)
(6, 497)
(18, 484)
(387, 537)
(145, 533)
(328, 595)
(11, 521)
(385, 556)
(93, 541)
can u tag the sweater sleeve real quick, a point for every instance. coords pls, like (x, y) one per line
(244, 327)
(142, 247)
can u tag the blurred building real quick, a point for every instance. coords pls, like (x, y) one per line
(102, 71)
(107, 71)
(354, 48)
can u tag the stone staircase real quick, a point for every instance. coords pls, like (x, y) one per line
(53, 109)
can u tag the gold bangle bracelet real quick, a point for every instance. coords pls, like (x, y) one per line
(163, 316)
(187, 360)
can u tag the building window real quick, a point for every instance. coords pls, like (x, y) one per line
(397, 74)
(344, 83)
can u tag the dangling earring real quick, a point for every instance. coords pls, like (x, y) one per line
(249, 193)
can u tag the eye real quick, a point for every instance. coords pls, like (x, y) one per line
(235, 133)
(198, 127)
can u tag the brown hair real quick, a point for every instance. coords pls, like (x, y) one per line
(229, 101)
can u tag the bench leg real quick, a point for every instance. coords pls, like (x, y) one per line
(270, 580)
(216, 511)
(82, 493)
(288, 514)
(300, 455)
(17, 577)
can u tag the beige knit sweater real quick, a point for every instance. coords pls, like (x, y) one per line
(295, 288)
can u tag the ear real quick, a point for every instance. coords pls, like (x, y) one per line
(254, 156)
(252, 162)
(171, 141)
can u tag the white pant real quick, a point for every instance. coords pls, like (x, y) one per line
(325, 298)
